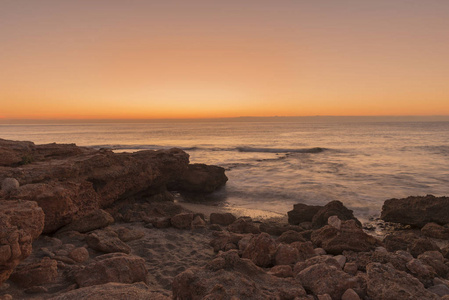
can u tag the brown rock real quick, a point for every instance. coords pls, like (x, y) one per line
(436, 231)
(106, 241)
(224, 219)
(39, 273)
(97, 219)
(20, 223)
(333, 208)
(281, 271)
(182, 221)
(223, 239)
(243, 225)
(305, 250)
(79, 254)
(233, 278)
(290, 236)
(386, 283)
(127, 235)
(423, 272)
(422, 245)
(9, 185)
(113, 291)
(350, 268)
(417, 211)
(276, 228)
(350, 294)
(302, 213)
(435, 260)
(261, 250)
(114, 267)
(286, 255)
(322, 279)
(198, 222)
(351, 237)
(200, 178)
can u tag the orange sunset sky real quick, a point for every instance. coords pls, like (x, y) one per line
(205, 59)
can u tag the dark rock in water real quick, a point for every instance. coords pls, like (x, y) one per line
(230, 277)
(200, 178)
(224, 219)
(349, 237)
(302, 213)
(333, 208)
(39, 273)
(417, 211)
(114, 267)
(21, 222)
(386, 283)
(113, 291)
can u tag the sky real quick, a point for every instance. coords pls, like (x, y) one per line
(109, 59)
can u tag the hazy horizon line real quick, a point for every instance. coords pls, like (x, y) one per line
(323, 118)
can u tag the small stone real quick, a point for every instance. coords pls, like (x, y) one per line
(9, 185)
(334, 221)
(79, 254)
(182, 221)
(350, 294)
(324, 297)
(320, 251)
(198, 222)
(439, 289)
(224, 219)
(215, 227)
(350, 268)
(341, 259)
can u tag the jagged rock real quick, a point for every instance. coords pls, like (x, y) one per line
(243, 225)
(230, 277)
(439, 289)
(323, 278)
(417, 211)
(106, 241)
(9, 184)
(422, 245)
(386, 283)
(333, 208)
(302, 213)
(326, 259)
(198, 222)
(349, 237)
(21, 222)
(113, 291)
(114, 267)
(182, 221)
(95, 220)
(435, 260)
(223, 239)
(350, 268)
(398, 259)
(423, 272)
(261, 250)
(33, 274)
(200, 178)
(224, 219)
(79, 254)
(436, 231)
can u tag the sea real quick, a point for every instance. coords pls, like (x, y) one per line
(273, 165)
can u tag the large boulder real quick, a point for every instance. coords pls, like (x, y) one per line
(114, 267)
(417, 211)
(349, 237)
(333, 208)
(21, 222)
(386, 283)
(113, 291)
(200, 178)
(231, 277)
(302, 213)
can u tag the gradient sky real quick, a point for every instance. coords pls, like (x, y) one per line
(188, 59)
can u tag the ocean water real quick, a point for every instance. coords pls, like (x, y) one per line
(273, 165)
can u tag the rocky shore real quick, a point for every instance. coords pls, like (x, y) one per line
(80, 223)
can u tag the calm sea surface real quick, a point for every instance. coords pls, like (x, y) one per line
(271, 166)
